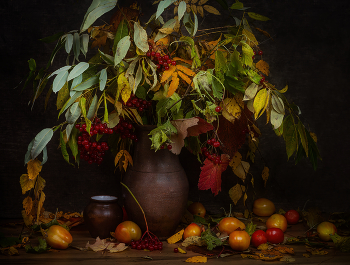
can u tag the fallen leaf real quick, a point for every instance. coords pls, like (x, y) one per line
(118, 248)
(193, 240)
(181, 250)
(176, 237)
(197, 259)
(306, 255)
(287, 259)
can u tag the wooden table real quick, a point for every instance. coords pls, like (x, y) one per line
(166, 256)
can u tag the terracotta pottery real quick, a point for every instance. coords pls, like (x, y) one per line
(102, 215)
(160, 185)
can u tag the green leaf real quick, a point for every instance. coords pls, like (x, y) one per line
(276, 119)
(250, 228)
(8, 241)
(70, 102)
(122, 49)
(52, 38)
(233, 85)
(84, 43)
(86, 84)
(300, 153)
(138, 78)
(41, 248)
(78, 70)
(218, 88)
(140, 37)
(105, 116)
(62, 69)
(103, 79)
(314, 154)
(223, 3)
(92, 108)
(237, 5)
(141, 92)
(277, 104)
(220, 65)
(76, 81)
(96, 9)
(122, 32)
(76, 46)
(303, 137)
(181, 9)
(211, 240)
(73, 113)
(254, 76)
(73, 144)
(290, 135)
(69, 43)
(58, 46)
(257, 16)
(341, 242)
(107, 58)
(161, 134)
(162, 6)
(59, 81)
(196, 61)
(32, 64)
(248, 53)
(40, 141)
(236, 63)
(64, 148)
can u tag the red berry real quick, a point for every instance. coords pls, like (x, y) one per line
(160, 62)
(162, 146)
(206, 153)
(176, 250)
(169, 61)
(209, 142)
(260, 52)
(150, 47)
(77, 126)
(158, 66)
(217, 160)
(218, 109)
(216, 144)
(157, 54)
(262, 80)
(148, 54)
(254, 52)
(166, 57)
(166, 67)
(169, 146)
(173, 63)
(153, 53)
(165, 64)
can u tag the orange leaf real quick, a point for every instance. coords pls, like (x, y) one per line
(197, 259)
(185, 78)
(186, 70)
(28, 204)
(183, 60)
(176, 237)
(173, 85)
(210, 176)
(263, 67)
(33, 168)
(167, 73)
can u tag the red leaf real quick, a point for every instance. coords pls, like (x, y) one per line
(210, 177)
(201, 127)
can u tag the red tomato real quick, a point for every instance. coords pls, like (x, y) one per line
(192, 230)
(325, 229)
(230, 224)
(274, 235)
(292, 217)
(258, 238)
(277, 221)
(263, 207)
(196, 208)
(239, 240)
(127, 231)
(58, 237)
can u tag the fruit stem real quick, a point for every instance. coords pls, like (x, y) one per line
(144, 216)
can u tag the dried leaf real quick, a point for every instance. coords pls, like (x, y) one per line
(210, 176)
(28, 219)
(211, 9)
(231, 109)
(265, 175)
(193, 240)
(181, 250)
(181, 126)
(316, 251)
(33, 168)
(200, 10)
(176, 237)
(28, 205)
(201, 127)
(194, 8)
(287, 259)
(40, 204)
(197, 259)
(117, 247)
(26, 183)
(202, 2)
(306, 255)
(242, 170)
(174, 84)
(235, 193)
(263, 67)
(236, 160)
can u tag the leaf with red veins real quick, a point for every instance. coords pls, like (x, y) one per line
(210, 177)
(182, 126)
(201, 127)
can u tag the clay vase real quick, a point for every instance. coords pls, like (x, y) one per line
(102, 215)
(159, 183)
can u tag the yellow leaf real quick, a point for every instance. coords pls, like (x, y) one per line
(246, 212)
(173, 85)
(136, 116)
(263, 67)
(245, 197)
(181, 250)
(231, 109)
(197, 259)
(265, 175)
(176, 237)
(40, 204)
(264, 246)
(33, 168)
(185, 78)
(283, 90)
(163, 41)
(200, 10)
(39, 186)
(118, 106)
(306, 255)
(186, 70)
(118, 156)
(26, 183)
(242, 170)
(166, 30)
(202, 2)
(175, 10)
(260, 103)
(167, 73)
(236, 160)
(128, 157)
(251, 40)
(28, 204)
(183, 60)
(212, 10)
(313, 136)
(235, 193)
(28, 219)
(124, 87)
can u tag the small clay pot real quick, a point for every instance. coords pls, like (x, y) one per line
(102, 215)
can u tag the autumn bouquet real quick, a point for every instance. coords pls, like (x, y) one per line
(203, 89)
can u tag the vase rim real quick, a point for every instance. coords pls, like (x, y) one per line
(104, 198)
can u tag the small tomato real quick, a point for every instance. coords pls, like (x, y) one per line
(196, 208)
(239, 240)
(277, 221)
(230, 224)
(263, 207)
(127, 231)
(58, 237)
(292, 217)
(258, 238)
(192, 230)
(325, 229)
(274, 235)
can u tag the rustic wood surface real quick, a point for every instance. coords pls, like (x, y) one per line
(166, 256)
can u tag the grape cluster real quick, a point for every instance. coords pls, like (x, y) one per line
(147, 243)
(162, 62)
(139, 103)
(211, 156)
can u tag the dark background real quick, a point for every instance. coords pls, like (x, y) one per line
(309, 52)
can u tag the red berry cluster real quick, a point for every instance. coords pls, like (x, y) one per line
(213, 157)
(168, 146)
(91, 151)
(160, 61)
(260, 52)
(148, 243)
(126, 130)
(96, 128)
(139, 103)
